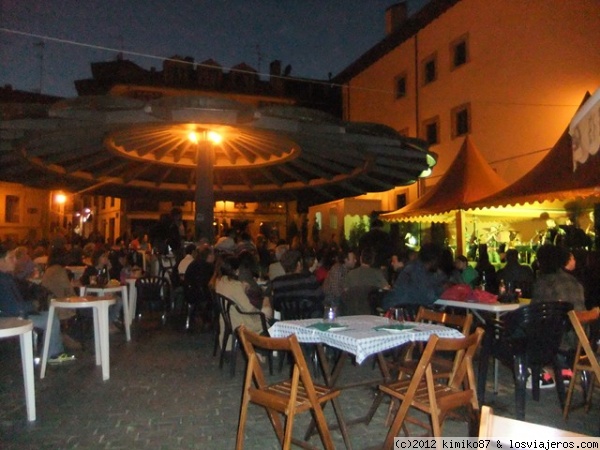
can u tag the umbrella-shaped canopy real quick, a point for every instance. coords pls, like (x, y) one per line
(124, 147)
(469, 178)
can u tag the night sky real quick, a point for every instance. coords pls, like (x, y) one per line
(316, 37)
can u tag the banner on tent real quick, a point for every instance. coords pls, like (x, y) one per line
(585, 130)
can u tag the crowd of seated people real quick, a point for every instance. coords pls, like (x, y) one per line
(269, 270)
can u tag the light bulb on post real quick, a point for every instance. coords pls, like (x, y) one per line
(60, 199)
(214, 137)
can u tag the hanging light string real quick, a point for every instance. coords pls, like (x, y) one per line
(230, 69)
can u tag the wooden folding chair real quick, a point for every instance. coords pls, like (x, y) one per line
(442, 365)
(585, 357)
(493, 426)
(289, 397)
(432, 397)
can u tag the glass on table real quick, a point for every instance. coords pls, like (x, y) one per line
(330, 313)
(397, 314)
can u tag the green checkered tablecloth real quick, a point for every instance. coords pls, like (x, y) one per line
(361, 337)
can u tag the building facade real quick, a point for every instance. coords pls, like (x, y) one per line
(511, 74)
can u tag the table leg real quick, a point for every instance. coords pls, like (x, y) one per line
(47, 333)
(387, 376)
(126, 312)
(496, 367)
(330, 378)
(102, 320)
(132, 300)
(27, 362)
(97, 336)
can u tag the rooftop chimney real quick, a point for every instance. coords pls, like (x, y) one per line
(395, 16)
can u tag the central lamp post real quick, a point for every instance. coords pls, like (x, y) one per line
(205, 195)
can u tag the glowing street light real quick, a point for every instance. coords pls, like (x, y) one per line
(60, 198)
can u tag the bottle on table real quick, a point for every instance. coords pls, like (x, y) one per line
(483, 282)
(501, 288)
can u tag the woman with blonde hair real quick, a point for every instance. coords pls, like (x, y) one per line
(225, 282)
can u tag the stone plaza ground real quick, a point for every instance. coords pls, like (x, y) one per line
(166, 391)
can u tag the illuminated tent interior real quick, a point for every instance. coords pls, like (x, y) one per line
(516, 214)
(469, 178)
(557, 185)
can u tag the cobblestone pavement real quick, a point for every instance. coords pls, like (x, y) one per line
(166, 391)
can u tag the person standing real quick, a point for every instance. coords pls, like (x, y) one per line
(378, 240)
(176, 234)
(333, 286)
(487, 272)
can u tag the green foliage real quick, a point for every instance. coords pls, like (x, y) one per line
(357, 231)
(316, 232)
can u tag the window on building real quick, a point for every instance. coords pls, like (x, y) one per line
(333, 222)
(11, 209)
(431, 130)
(400, 87)
(461, 120)
(319, 219)
(459, 51)
(430, 69)
(400, 201)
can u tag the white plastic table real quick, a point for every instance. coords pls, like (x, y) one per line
(497, 308)
(77, 271)
(106, 290)
(100, 306)
(13, 326)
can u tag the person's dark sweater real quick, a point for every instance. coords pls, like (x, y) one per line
(416, 284)
(301, 287)
(12, 303)
(198, 274)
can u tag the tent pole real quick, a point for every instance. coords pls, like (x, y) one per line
(460, 232)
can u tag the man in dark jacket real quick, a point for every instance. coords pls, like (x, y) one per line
(420, 282)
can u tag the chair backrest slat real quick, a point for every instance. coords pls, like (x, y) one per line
(460, 322)
(579, 319)
(300, 372)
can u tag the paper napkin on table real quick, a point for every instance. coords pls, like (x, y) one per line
(324, 326)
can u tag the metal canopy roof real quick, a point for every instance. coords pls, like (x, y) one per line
(123, 147)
